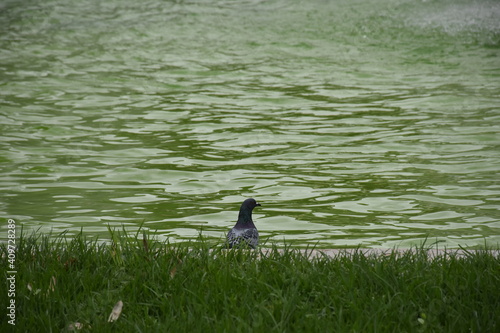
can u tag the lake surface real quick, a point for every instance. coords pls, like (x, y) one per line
(354, 123)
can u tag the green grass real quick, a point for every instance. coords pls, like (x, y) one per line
(204, 288)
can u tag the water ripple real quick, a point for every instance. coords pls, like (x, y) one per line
(369, 127)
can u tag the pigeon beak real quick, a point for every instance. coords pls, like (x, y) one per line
(257, 204)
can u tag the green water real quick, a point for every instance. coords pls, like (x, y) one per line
(354, 123)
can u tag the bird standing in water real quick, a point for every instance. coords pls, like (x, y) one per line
(244, 232)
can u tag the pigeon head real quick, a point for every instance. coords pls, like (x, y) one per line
(246, 208)
(250, 204)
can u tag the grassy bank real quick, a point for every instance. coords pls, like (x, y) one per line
(196, 288)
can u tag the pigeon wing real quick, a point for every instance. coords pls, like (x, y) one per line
(249, 236)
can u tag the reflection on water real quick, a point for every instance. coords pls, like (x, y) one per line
(353, 124)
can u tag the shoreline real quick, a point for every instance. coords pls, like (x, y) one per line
(381, 252)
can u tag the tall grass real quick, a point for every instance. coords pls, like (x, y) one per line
(204, 288)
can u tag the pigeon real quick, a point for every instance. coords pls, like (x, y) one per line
(244, 232)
